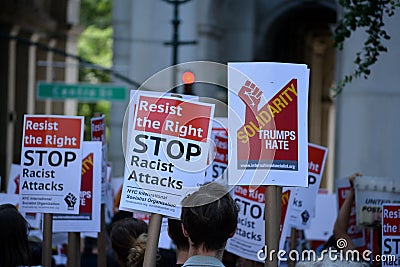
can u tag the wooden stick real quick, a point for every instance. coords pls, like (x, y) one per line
(102, 239)
(47, 239)
(271, 224)
(293, 237)
(150, 254)
(74, 249)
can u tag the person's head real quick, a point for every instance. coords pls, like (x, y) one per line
(119, 215)
(209, 217)
(14, 245)
(35, 248)
(128, 240)
(176, 234)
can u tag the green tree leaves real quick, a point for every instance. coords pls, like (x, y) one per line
(369, 15)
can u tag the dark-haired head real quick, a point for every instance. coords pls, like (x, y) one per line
(176, 234)
(128, 240)
(14, 245)
(209, 217)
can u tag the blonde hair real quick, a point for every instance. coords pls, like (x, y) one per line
(136, 252)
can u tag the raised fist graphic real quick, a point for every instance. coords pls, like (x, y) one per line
(70, 199)
(251, 95)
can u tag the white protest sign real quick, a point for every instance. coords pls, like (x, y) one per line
(33, 218)
(167, 152)
(371, 193)
(109, 203)
(14, 179)
(98, 133)
(88, 219)
(356, 233)
(116, 192)
(9, 199)
(218, 155)
(267, 115)
(302, 199)
(250, 234)
(391, 235)
(51, 162)
(321, 225)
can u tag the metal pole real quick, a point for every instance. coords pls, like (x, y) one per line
(175, 36)
(175, 42)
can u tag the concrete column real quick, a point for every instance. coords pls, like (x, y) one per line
(49, 73)
(316, 84)
(368, 127)
(11, 101)
(209, 30)
(121, 14)
(71, 72)
(30, 104)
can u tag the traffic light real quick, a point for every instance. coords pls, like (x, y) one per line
(188, 79)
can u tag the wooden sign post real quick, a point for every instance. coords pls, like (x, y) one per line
(47, 239)
(153, 236)
(273, 203)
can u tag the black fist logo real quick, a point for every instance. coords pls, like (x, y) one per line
(70, 199)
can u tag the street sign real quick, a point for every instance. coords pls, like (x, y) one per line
(81, 91)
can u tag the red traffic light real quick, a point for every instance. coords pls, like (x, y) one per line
(188, 77)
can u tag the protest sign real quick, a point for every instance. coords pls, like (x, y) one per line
(33, 218)
(356, 233)
(98, 133)
(268, 123)
(219, 155)
(303, 198)
(88, 219)
(371, 193)
(321, 225)
(9, 199)
(391, 235)
(166, 154)
(109, 203)
(250, 234)
(51, 162)
(14, 179)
